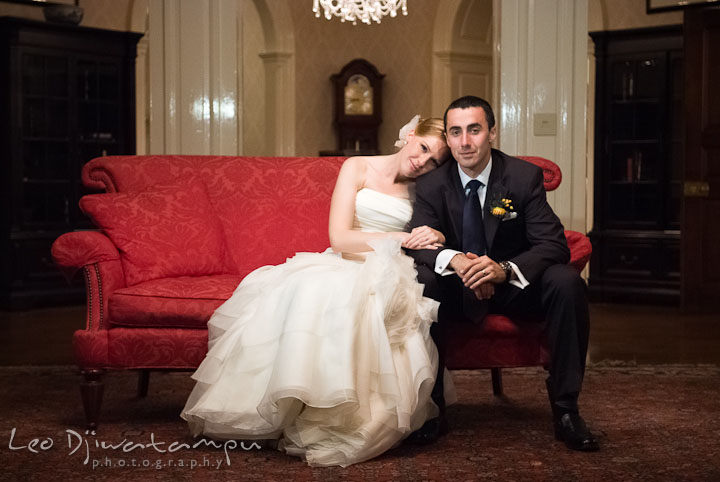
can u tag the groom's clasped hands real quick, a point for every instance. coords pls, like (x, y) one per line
(478, 273)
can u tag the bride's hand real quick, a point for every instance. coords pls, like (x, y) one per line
(402, 237)
(424, 237)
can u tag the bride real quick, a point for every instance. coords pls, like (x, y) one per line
(330, 352)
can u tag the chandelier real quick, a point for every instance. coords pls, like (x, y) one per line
(365, 11)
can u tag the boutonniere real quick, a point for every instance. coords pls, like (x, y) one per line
(502, 208)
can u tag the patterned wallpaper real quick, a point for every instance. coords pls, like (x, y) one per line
(17, 10)
(109, 14)
(399, 47)
(622, 14)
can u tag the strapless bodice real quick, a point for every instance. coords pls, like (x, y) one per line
(377, 212)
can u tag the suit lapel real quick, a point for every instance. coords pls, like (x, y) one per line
(496, 189)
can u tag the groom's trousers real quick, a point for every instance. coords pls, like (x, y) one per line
(558, 298)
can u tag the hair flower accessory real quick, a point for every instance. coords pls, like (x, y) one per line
(402, 135)
(502, 208)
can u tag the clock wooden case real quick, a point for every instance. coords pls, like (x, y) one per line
(358, 107)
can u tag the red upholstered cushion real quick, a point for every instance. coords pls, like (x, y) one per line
(269, 207)
(496, 342)
(185, 302)
(552, 175)
(580, 249)
(169, 231)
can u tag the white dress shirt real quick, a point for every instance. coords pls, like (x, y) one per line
(442, 262)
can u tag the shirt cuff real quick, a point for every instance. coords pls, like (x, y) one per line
(442, 262)
(520, 282)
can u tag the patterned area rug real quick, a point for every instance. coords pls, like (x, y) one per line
(654, 423)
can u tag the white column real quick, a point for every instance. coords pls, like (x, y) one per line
(280, 101)
(141, 97)
(194, 86)
(543, 70)
(225, 78)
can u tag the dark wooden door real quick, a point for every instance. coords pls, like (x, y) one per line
(700, 284)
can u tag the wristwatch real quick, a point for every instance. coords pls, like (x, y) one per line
(507, 268)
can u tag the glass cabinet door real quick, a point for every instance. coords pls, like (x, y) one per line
(638, 154)
(636, 120)
(100, 131)
(67, 97)
(45, 142)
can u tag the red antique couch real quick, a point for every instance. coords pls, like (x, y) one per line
(178, 233)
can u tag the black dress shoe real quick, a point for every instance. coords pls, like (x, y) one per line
(429, 432)
(571, 429)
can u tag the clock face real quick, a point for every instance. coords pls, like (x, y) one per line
(358, 96)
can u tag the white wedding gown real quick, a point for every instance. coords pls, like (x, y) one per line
(332, 356)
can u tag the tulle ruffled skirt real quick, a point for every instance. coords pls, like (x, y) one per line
(331, 356)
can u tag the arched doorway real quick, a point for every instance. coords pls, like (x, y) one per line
(268, 86)
(462, 52)
(235, 88)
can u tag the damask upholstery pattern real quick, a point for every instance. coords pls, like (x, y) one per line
(183, 302)
(156, 347)
(169, 231)
(74, 250)
(133, 348)
(180, 233)
(272, 208)
(90, 349)
(269, 207)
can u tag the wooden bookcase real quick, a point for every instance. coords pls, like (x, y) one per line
(638, 165)
(68, 95)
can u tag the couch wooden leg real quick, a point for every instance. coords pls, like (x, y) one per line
(497, 382)
(143, 383)
(91, 391)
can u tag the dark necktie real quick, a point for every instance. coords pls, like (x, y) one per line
(473, 237)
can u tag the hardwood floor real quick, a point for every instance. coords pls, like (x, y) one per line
(652, 334)
(41, 336)
(644, 334)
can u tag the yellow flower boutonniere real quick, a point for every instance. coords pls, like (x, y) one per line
(499, 207)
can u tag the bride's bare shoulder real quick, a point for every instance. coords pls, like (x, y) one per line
(364, 169)
(357, 166)
(353, 172)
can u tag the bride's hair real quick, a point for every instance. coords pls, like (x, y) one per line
(431, 127)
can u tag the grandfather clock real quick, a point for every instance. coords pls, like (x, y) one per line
(358, 107)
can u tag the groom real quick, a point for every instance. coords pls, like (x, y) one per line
(505, 252)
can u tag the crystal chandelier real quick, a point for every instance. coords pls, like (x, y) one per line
(363, 10)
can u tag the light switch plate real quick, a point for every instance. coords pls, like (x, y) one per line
(545, 124)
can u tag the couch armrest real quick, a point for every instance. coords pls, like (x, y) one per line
(580, 249)
(97, 256)
(73, 251)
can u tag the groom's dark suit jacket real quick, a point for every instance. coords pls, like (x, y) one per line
(534, 240)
